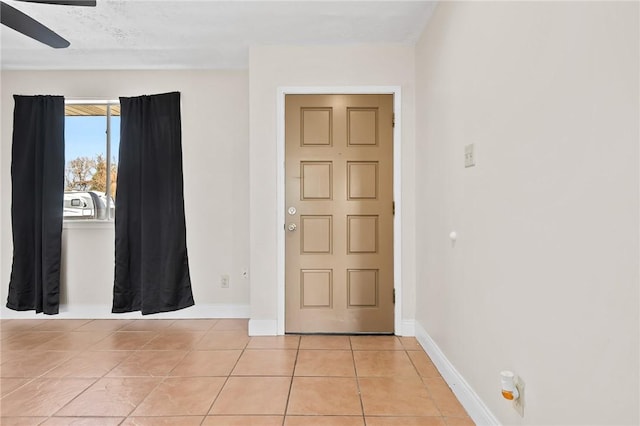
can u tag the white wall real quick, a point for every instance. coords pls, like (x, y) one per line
(271, 67)
(543, 278)
(215, 142)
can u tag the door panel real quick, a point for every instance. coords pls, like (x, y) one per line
(339, 213)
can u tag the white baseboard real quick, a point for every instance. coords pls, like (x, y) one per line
(99, 311)
(469, 399)
(408, 328)
(263, 327)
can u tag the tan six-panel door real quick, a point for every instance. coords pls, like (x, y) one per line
(339, 213)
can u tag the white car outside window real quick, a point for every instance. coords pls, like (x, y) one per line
(86, 205)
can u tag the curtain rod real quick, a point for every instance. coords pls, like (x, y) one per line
(91, 101)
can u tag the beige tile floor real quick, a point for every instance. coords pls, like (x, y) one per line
(210, 372)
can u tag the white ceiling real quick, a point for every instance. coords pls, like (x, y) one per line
(202, 34)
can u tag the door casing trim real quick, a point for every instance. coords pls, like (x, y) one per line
(396, 91)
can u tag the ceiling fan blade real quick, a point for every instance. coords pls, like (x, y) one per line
(90, 3)
(13, 18)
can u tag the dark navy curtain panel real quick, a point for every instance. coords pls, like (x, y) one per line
(37, 193)
(152, 268)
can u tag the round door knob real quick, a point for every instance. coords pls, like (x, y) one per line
(292, 227)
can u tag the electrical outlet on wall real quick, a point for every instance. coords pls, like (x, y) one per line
(469, 155)
(224, 281)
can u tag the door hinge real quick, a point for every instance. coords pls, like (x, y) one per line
(393, 208)
(394, 296)
(393, 120)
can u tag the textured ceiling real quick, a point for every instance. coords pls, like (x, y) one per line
(202, 34)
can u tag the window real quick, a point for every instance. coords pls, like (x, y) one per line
(92, 140)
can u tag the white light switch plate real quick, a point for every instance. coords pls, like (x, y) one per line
(469, 155)
(224, 281)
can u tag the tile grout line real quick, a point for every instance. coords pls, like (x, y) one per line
(293, 372)
(194, 349)
(244, 348)
(104, 376)
(357, 377)
(75, 397)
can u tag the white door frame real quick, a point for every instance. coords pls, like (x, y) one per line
(397, 185)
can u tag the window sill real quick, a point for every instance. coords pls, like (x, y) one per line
(88, 224)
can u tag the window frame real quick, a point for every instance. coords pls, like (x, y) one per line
(109, 220)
